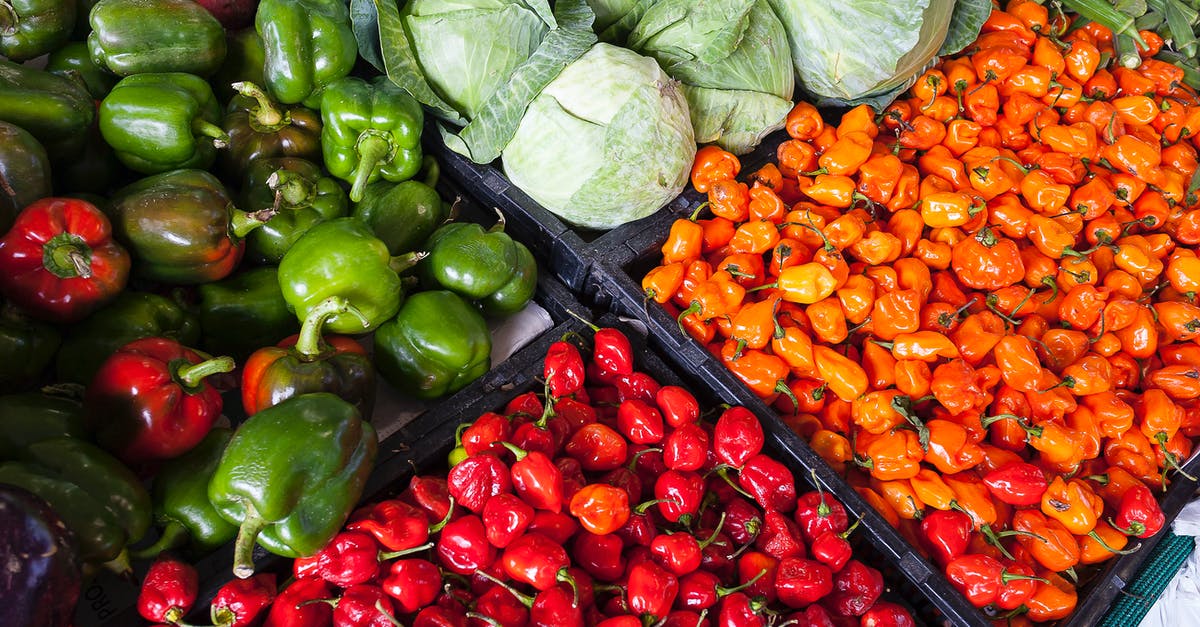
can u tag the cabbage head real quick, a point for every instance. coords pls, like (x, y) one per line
(466, 49)
(607, 142)
(731, 57)
(615, 18)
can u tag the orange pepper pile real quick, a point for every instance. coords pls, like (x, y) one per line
(1000, 266)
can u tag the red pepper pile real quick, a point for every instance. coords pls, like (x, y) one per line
(610, 503)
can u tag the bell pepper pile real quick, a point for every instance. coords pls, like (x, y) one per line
(980, 303)
(604, 499)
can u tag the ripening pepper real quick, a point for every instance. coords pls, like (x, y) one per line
(310, 362)
(31, 28)
(291, 475)
(436, 345)
(146, 36)
(261, 128)
(181, 506)
(181, 227)
(486, 266)
(371, 131)
(298, 193)
(149, 401)
(308, 44)
(131, 316)
(241, 313)
(162, 121)
(54, 109)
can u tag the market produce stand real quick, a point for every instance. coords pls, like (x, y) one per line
(596, 312)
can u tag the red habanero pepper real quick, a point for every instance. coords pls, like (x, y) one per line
(536, 479)
(1018, 483)
(485, 433)
(947, 534)
(241, 602)
(294, 607)
(1139, 513)
(800, 582)
(412, 584)
(686, 448)
(832, 549)
(59, 260)
(855, 589)
(505, 517)
(536, 560)
(885, 614)
(463, 546)
(563, 369)
(713, 164)
(477, 478)
(679, 494)
(168, 591)
(770, 482)
(650, 589)
(640, 422)
(600, 508)
(737, 436)
(982, 579)
(598, 447)
(150, 401)
(363, 606)
(678, 406)
(817, 513)
(612, 351)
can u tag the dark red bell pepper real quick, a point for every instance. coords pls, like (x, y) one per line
(947, 534)
(1139, 514)
(1017, 483)
(413, 584)
(59, 262)
(168, 591)
(149, 401)
(241, 602)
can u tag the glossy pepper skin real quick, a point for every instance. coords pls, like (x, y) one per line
(168, 591)
(33, 416)
(403, 215)
(148, 36)
(55, 110)
(74, 59)
(242, 312)
(52, 566)
(162, 121)
(96, 496)
(299, 194)
(181, 227)
(291, 475)
(1139, 513)
(372, 131)
(261, 128)
(149, 400)
(59, 261)
(482, 265)
(131, 316)
(24, 167)
(310, 362)
(341, 257)
(31, 28)
(435, 345)
(27, 347)
(180, 496)
(308, 44)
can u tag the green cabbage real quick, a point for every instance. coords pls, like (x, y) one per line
(732, 58)
(607, 142)
(615, 18)
(854, 50)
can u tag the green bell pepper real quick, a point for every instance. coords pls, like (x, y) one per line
(26, 348)
(160, 122)
(153, 36)
(308, 43)
(131, 316)
(291, 475)
(259, 128)
(31, 28)
(181, 227)
(244, 312)
(436, 345)
(35, 416)
(74, 60)
(181, 506)
(341, 257)
(24, 172)
(100, 499)
(244, 60)
(372, 130)
(55, 110)
(403, 214)
(302, 196)
(95, 171)
(487, 266)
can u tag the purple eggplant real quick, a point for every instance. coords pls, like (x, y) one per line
(40, 579)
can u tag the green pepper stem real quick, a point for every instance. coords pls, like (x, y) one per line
(243, 549)
(204, 128)
(242, 222)
(308, 344)
(1095, 536)
(190, 375)
(265, 117)
(391, 555)
(517, 451)
(9, 19)
(67, 256)
(404, 262)
(291, 188)
(174, 535)
(372, 148)
(501, 222)
(524, 599)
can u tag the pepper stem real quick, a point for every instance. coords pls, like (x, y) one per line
(723, 473)
(372, 147)
(1095, 536)
(517, 451)
(391, 555)
(501, 222)
(67, 256)
(587, 322)
(174, 535)
(243, 548)
(713, 536)
(404, 262)
(190, 375)
(204, 128)
(291, 188)
(724, 592)
(242, 222)
(439, 525)
(309, 343)
(525, 599)
(264, 117)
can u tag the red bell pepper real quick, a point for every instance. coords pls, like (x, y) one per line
(241, 602)
(59, 261)
(149, 401)
(1139, 513)
(1017, 483)
(168, 591)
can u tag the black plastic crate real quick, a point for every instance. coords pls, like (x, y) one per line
(570, 251)
(616, 283)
